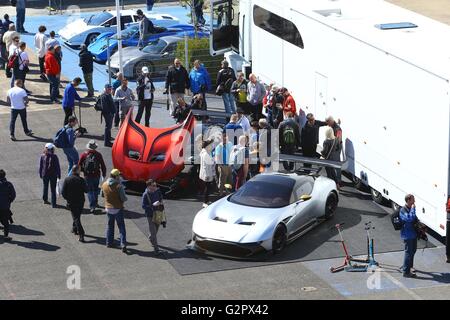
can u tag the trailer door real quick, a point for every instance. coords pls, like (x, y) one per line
(225, 26)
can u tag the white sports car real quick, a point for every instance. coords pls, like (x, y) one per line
(86, 30)
(268, 212)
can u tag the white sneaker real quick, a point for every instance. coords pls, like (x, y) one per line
(205, 205)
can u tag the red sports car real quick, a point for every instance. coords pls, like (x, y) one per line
(142, 153)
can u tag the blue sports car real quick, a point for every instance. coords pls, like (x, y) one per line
(130, 38)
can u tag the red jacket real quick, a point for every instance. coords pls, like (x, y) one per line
(289, 105)
(52, 67)
(98, 158)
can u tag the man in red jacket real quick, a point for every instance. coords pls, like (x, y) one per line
(92, 165)
(288, 103)
(52, 70)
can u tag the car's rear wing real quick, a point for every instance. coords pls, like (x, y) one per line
(316, 164)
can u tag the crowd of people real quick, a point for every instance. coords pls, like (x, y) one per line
(243, 150)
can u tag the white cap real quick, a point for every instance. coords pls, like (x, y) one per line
(144, 69)
(50, 146)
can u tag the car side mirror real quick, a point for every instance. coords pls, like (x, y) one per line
(305, 197)
(165, 54)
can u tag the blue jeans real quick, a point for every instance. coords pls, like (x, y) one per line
(52, 182)
(20, 19)
(228, 101)
(93, 191)
(110, 228)
(54, 87)
(72, 157)
(410, 250)
(23, 118)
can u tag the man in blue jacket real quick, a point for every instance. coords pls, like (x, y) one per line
(199, 81)
(7, 196)
(409, 234)
(70, 95)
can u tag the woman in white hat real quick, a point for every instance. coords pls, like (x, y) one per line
(145, 90)
(49, 172)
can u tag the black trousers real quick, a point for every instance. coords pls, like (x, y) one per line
(256, 111)
(68, 112)
(146, 105)
(5, 215)
(116, 115)
(311, 153)
(41, 65)
(76, 211)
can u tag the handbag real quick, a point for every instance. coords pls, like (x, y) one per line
(220, 90)
(159, 217)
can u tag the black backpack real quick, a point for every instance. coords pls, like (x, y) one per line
(396, 221)
(98, 106)
(91, 165)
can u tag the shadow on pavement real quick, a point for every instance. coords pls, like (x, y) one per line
(22, 230)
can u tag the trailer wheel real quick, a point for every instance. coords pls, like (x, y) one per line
(376, 196)
(395, 206)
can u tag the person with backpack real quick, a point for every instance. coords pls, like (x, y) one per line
(92, 165)
(105, 104)
(73, 190)
(65, 139)
(7, 196)
(87, 66)
(70, 95)
(409, 235)
(52, 71)
(145, 93)
(20, 66)
(152, 201)
(9, 36)
(49, 172)
(330, 152)
(225, 79)
(115, 197)
(39, 43)
(207, 170)
(240, 163)
(289, 132)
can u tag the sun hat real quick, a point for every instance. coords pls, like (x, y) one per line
(92, 145)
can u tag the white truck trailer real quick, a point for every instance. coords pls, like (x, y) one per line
(382, 70)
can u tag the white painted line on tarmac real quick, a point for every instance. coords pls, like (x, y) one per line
(402, 286)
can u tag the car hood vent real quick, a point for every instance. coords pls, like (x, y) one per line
(246, 223)
(220, 219)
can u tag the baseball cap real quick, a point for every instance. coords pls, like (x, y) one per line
(144, 69)
(115, 172)
(49, 146)
(108, 86)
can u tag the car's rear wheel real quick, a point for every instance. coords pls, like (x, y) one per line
(138, 68)
(279, 239)
(331, 205)
(91, 38)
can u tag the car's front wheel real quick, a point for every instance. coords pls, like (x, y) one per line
(91, 38)
(279, 239)
(331, 205)
(138, 68)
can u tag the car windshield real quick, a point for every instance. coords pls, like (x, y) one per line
(98, 19)
(155, 46)
(264, 193)
(130, 31)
